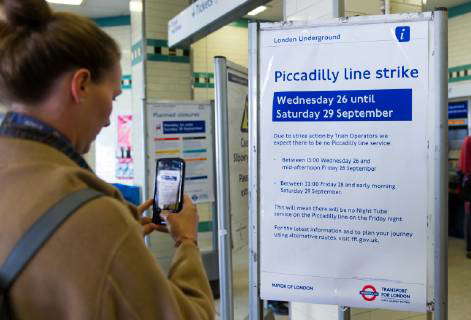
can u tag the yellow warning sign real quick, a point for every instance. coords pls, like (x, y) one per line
(244, 127)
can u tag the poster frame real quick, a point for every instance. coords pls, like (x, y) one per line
(210, 257)
(222, 66)
(437, 265)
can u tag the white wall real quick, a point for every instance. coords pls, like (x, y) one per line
(401, 6)
(138, 92)
(362, 7)
(459, 35)
(230, 41)
(459, 89)
(323, 9)
(459, 54)
(165, 80)
(106, 144)
(308, 9)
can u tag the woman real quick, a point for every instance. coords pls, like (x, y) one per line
(59, 74)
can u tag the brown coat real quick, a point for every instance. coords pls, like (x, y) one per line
(96, 265)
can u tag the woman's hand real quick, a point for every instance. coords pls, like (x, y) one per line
(183, 225)
(147, 226)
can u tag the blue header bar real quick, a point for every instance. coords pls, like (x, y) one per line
(458, 110)
(352, 105)
(179, 127)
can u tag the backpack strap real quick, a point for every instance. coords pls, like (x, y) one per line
(34, 239)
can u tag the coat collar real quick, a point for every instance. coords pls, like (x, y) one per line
(21, 126)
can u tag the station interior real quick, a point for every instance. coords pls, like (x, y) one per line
(154, 72)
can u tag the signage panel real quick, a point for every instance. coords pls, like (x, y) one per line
(458, 110)
(185, 131)
(343, 164)
(237, 105)
(205, 16)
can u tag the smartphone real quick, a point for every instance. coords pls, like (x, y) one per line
(169, 183)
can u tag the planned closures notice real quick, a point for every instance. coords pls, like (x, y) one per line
(344, 165)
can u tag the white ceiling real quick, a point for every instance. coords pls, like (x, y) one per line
(109, 8)
(275, 8)
(274, 12)
(97, 8)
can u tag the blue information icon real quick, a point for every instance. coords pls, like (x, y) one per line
(403, 34)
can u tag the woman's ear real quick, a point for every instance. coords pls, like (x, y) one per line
(81, 79)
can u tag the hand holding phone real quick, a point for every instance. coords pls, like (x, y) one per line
(169, 183)
(184, 226)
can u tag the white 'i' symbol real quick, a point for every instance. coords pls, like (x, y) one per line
(402, 33)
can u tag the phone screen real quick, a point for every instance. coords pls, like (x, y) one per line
(169, 180)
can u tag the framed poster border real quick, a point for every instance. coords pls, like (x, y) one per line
(437, 220)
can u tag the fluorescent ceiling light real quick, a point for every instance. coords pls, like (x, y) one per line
(67, 2)
(256, 11)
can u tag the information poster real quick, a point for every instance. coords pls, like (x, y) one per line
(125, 162)
(184, 131)
(237, 96)
(343, 165)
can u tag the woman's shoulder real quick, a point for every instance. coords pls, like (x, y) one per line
(47, 177)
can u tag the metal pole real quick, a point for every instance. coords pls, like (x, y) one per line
(214, 207)
(222, 178)
(387, 6)
(145, 192)
(255, 304)
(428, 5)
(345, 313)
(429, 316)
(440, 95)
(339, 11)
(145, 146)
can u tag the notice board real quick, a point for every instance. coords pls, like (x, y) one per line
(347, 135)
